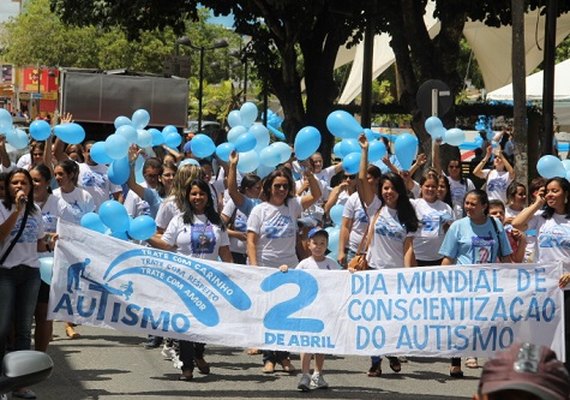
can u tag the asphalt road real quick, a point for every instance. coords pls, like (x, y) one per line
(107, 364)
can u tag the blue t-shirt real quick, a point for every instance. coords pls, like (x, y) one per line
(153, 199)
(248, 205)
(469, 243)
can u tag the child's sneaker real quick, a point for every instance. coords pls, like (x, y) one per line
(305, 383)
(167, 351)
(317, 381)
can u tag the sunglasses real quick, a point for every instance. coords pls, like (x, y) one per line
(351, 177)
(453, 167)
(284, 186)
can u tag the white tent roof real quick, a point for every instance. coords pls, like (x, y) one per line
(491, 47)
(534, 85)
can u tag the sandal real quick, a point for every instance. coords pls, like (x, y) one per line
(71, 333)
(375, 370)
(268, 367)
(253, 352)
(395, 364)
(455, 371)
(202, 365)
(471, 362)
(287, 366)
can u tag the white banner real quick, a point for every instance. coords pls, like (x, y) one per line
(430, 311)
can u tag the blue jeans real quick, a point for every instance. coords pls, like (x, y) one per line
(19, 288)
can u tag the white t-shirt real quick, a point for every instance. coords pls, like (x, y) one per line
(201, 240)
(135, 205)
(77, 203)
(510, 213)
(167, 210)
(386, 249)
(52, 209)
(95, 180)
(458, 192)
(552, 238)
(276, 228)
(429, 237)
(311, 263)
(24, 161)
(497, 184)
(360, 218)
(239, 224)
(25, 250)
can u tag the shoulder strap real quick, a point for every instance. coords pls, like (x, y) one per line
(500, 254)
(13, 243)
(366, 239)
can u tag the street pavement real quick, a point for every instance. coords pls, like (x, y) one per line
(105, 364)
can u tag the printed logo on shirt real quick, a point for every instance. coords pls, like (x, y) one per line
(240, 223)
(30, 232)
(280, 226)
(389, 229)
(482, 249)
(557, 237)
(431, 222)
(203, 239)
(361, 216)
(48, 218)
(93, 179)
(457, 194)
(496, 185)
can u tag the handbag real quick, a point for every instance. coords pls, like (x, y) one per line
(359, 262)
(13, 242)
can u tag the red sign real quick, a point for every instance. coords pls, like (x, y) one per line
(40, 80)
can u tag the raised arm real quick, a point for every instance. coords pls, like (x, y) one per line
(508, 167)
(478, 171)
(365, 189)
(134, 152)
(233, 190)
(4, 158)
(520, 222)
(436, 159)
(314, 190)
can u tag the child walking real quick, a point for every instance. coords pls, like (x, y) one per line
(318, 243)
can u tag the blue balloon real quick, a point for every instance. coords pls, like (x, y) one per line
(284, 151)
(351, 163)
(262, 171)
(128, 132)
(157, 137)
(454, 136)
(248, 114)
(139, 164)
(245, 142)
(261, 134)
(168, 129)
(343, 125)
(371, 135)
(235, 133)
(269, 156)
(119, 171)
(376, 150)
(307, 141)
(40, 130)
(92, 221)
(337, 150)
(144, 138)
(120, 235)
(46, 269)
(336, 214)
(406, 148)
(202, 146)
(99, 154)
(348, 146)
(116, 146)
(18, 139)
(140, 118)
(432, 125)
(248, 162)
(438, 133)
(334, 236)
(122, 120)
(277, 133)
(234, 119)
(550, 166)
(142, 228)
(5, 118)
(71, 133)
(172, 139)
(224, 150)
(114, 215)
(188, 161)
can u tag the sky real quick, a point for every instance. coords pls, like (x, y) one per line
(8, 8)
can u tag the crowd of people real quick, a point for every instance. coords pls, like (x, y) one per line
(390, 220)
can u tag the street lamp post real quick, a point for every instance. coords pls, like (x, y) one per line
(202, 49)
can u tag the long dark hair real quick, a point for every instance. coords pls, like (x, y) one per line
(45, 173)
(71, 168)
(482, 196)
(268, 182)
(9, 200)
(248, 181)
(209, 211)
(406, 212)
(565, 185)
(447, 199)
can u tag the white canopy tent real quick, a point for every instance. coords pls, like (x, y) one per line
(491, 47)
(534, 91)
